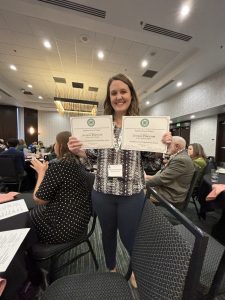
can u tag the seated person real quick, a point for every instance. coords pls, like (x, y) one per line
(63, 196)
(13, 152)
(173, 182)
(33, 147)
(2, 145)
(197, 154)
(41, 145)
(21, 145)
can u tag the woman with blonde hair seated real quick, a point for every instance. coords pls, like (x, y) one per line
(63, 195)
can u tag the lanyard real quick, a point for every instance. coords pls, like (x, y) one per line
(117, 141)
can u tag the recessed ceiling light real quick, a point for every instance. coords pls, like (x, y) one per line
(185, 10)
(40, 97)
(147, 102)
(13, 67)
(101, 54)
(47, 44)
(179, 83)
(144, 63)
(171, 121)
(30, 86)
(192, 116)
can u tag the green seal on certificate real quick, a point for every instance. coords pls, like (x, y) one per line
(144, 122)
(91, 122)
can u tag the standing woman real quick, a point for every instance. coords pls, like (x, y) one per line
(62, 195)
(118, 201)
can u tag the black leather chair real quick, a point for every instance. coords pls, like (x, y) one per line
(9, 174)
(212, 279)
(165, 265)
(53, 252)
(190, 190)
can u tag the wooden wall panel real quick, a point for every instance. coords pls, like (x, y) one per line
(8, 122)
(220, 141)
(30, 120)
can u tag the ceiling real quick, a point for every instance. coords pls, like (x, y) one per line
(118, 30)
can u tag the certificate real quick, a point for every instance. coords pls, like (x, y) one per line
(93, 132)
(143, 133)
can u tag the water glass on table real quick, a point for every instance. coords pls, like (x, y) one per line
(214, 176)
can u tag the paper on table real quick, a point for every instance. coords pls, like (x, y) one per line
(12, 208)
(10, 242)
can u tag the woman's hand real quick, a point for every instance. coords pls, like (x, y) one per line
(38, 166)
(167, 138)
(74, 146)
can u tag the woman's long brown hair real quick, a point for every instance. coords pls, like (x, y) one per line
(133, 109)
(62, 139)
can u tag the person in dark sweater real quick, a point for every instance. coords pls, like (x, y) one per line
(13, 152)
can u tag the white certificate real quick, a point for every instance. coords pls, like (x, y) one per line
(93, 132)
(143, 133)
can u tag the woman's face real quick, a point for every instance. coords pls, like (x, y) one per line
(190, 151)
(120, 96)
(56, 148)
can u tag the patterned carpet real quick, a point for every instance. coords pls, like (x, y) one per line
(86, 264)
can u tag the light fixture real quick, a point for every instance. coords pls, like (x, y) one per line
(147, 102)
(79, 107)
(192, 116)
(101, 54)
(31, 130)
(30, 86)
(47, 44)
(144, 63)
(40, 97)
(171, 122)
(185, 10)
(13, 67)
(179, 83)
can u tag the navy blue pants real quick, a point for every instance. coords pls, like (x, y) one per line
(117, 212)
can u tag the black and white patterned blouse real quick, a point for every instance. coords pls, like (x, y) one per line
(132, 181)
(67, 213)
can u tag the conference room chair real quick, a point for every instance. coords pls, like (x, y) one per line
(9, 174)
(190, 190)
(195, 194)
(51, 253)
(212, 279)
(164, 264)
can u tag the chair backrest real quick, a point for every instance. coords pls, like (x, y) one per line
(8, 167)
(212, 280)
(165, 265)
(191, 189)
(210, 165)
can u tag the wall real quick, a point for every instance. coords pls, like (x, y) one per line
(50, 124)
(206, 94)
(203, 131)
(20, 123)
(30, 120)
(8, 122)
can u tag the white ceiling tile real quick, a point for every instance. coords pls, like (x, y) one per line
(3, 24)
(121, 46)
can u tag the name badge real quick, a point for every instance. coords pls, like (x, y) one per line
(115, 171)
